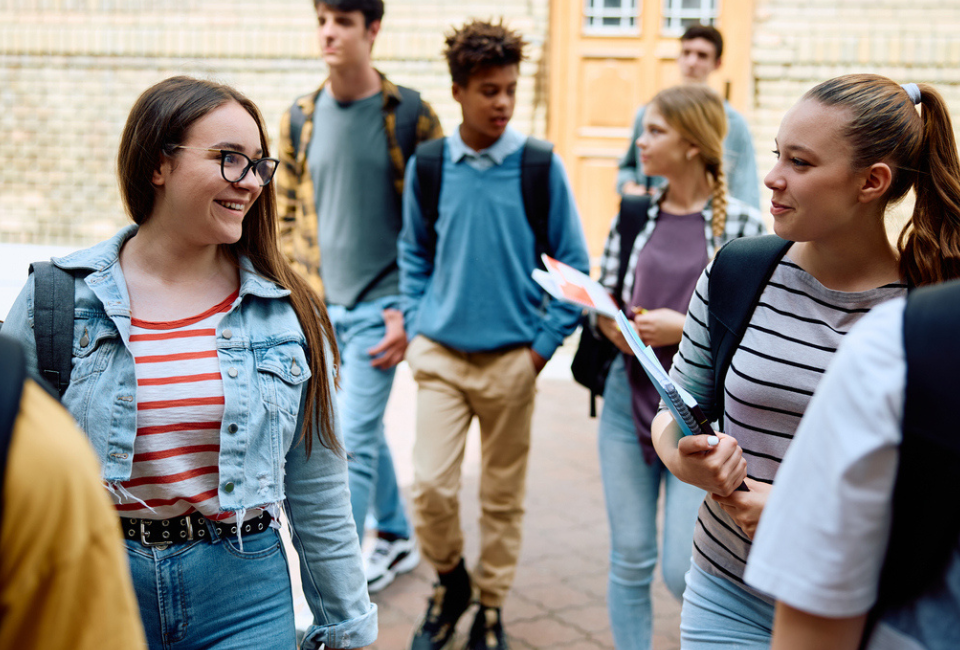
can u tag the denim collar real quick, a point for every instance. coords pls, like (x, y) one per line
(102, 256)
(506, 144)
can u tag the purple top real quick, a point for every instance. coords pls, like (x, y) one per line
(668, 267)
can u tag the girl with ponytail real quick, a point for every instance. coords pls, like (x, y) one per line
(689, 219)
(847, 150)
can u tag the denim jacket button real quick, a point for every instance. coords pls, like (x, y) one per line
(233, 428)
(228, 488)
(227, 334)
(295, 369)
(233, 373)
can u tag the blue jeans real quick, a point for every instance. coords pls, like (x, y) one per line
(719, 614)
(363, 395)
(631, 489)
(213, 595)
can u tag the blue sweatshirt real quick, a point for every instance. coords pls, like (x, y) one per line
(476, 293)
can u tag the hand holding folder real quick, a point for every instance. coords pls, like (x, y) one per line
(687, 413)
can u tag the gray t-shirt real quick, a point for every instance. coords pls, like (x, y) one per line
(358, 212)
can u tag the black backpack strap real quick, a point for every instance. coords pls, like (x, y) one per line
(633, 217)
(535, 163)
(297, 119)
(739, 274)
(53, 304)
(13, 371)
(407, 115)
(430, 176)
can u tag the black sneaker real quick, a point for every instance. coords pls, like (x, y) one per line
(451, 597)
(487, 631)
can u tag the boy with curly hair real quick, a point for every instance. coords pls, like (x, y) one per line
(478, 325)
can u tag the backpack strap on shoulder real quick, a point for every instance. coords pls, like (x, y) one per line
(297, 119)
(739, 274)
(53, 306)
(407, 115)
(535, 163)
(430, 176)
(634, 215)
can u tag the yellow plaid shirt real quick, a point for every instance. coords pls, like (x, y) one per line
(295, 196)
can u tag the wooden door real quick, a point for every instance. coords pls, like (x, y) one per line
(607, 57)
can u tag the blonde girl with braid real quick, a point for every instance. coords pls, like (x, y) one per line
(689, 219)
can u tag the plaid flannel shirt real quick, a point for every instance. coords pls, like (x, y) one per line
(742, 221)
(296, 203)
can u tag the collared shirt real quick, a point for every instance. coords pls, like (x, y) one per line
(742, 221)
(296, 201)
(495, 154)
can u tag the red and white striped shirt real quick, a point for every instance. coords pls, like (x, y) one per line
(179, 412)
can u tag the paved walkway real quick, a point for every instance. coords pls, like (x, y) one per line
(559, 597)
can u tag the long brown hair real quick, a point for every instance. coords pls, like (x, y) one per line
(697, 113)
(159, 121)
(921, 150)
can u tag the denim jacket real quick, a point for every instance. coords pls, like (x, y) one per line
(261, 463)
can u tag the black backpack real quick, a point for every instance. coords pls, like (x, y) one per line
(535, 162)
(407, 115)
(53, 303)
(595, 353)
(925, 521)
(13, 372)
(740, 271)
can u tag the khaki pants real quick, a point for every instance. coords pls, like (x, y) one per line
(497, 388)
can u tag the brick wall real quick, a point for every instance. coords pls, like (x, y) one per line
(71, 69)
(796, 45)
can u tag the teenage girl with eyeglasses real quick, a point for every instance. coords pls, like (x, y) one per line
(203, 374)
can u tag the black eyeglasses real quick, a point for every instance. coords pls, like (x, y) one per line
(235, 165)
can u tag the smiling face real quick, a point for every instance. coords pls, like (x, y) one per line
(193, 201)
(345, 40)
(698, 58)
(663, 151)
(815, 189)
(487, 103)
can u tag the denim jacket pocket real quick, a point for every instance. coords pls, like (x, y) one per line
(91, 339)
(282, 371)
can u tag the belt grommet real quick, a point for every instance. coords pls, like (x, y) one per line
(201, 532)
(233, 530)
(200, 520)
(166, 534)
(183, 534)
(132, 533)
(164, 522)
(259, 526)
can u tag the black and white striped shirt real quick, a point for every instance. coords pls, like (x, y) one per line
(791, 338)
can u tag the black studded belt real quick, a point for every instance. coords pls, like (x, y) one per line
(178, 530)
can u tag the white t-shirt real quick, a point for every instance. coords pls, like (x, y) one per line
(821, 541)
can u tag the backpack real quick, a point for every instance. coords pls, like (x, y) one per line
(53, 303)
(740, 271)
(535, 162)
(13, 372)
(925, 522)
(407, 116)
(595, 353)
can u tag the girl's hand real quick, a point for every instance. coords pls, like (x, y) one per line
(745, 508)
(608, 327)
(718, 468)
(659, 327)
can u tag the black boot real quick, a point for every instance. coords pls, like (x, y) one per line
(487, 631)
(451, 597)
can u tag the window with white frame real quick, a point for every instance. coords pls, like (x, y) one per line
(610, 16)
(680, 14)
